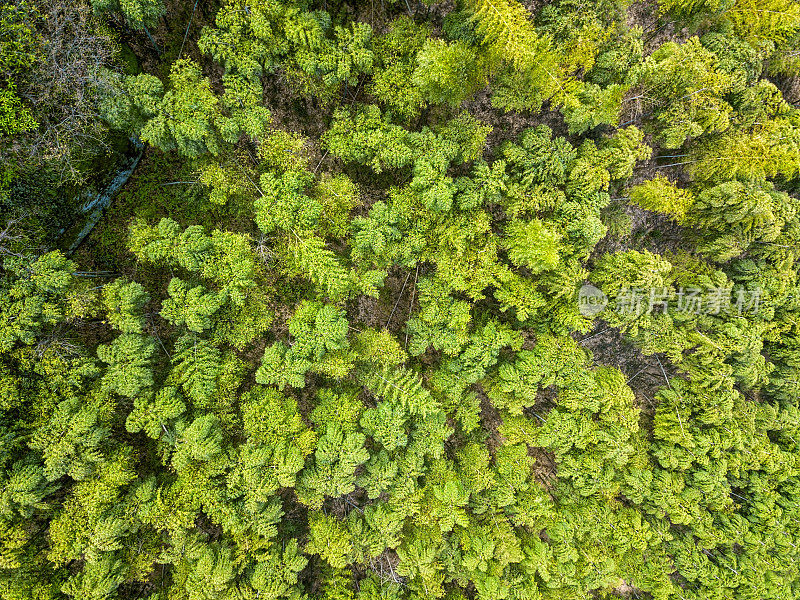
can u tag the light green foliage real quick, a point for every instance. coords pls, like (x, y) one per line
(393, 82)
(227, 181)
(759, 23)
(284, 205)
(447, 72)
(662, 195)
(249, 41)
(224, 258)
(252, 39)
(620, 152)
(684, 88)
(184, 118)
(337, 195)
(631, 269)
(465, 135)
(319, 343)
(734, 215)
(193, 307)
(280, 367)
(592, 106)
(552, 361)
(129, 358)
(342, 59)
(592, 451)
(25, 487)
(767, 150)
(276, 577)
(402, 387)
(125, 302)
(577, 30)
(15, 117)
(332, 471)
(317, 330)
(35, 299)
(539, 159)
(378, 347)
(442, 321)
(187, 116)
(617, 54)
(357, 361)
(532, 245)
(197, 365)
(197, 442)
(208, 570)
(98, 580)
(132, 102)
(277, 443)
(365, 137)
(328, 538)
(529, 68)
(18, 52)
(71, 440)
(154, 414)
(283, 151)
(312, 259)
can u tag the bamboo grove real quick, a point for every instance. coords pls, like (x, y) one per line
(330, 341)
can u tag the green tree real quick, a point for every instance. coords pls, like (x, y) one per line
(129, 358)
(447, 72)
(396, 50)
(198, 364)
(188, 116)
(769, 149)
(662, 195)
(152, 415)
(529, 70)
(197, 442)
(685, 90)
(125, 303)
(532, 245)
(34, 295)
(332, 472)
(328, 538)
(19, 51)
(193, 307)
(72, 439)
(140, 14)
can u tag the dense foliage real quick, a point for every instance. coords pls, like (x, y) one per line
(405, 300)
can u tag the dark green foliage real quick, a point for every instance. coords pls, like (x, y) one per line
(138, 13)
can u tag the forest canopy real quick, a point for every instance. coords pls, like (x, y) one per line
(399, 300)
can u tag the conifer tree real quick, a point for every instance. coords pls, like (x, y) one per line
(190, 306)
(140, 14)
(533, 74)
(446, 72)
(71, 440)
(662, 195)
(685, 90)
(198, 363)
(124, 302)
(129, 358)
(332, 472)
(328, 538)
